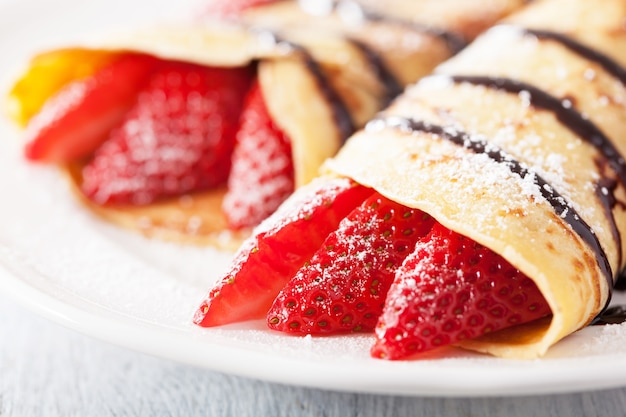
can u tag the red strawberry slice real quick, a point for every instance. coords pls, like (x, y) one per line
(343, 287)
(74, 122)
(280, 246)
(231, 8)
(451, 289)
(262, 175)
(177, 138)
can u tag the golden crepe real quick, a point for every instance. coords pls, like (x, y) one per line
(518, 144)
(344, 64)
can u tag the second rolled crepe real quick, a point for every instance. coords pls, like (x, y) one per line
(518, 143)
(321, 77)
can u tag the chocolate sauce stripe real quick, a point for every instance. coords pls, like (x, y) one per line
(391, 84)
(341, 114)
(454, 41)
(560, 205)
(570, 118)
(605, 191)
(607, 63)
(343, 118)
(577, 124)
(611, 66)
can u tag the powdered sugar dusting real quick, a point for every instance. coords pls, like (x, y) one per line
(45, 228)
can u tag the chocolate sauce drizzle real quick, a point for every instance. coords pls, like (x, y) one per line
(343, 119)
(391, 84)
(586, 130)
(611, 66)
(605, 191)
(569, 117)
(341, 114)
(454, 41)
(612, 315)
(577, 124)
(608, 64)
(480, 146)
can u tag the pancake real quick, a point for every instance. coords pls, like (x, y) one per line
(518, 144)
(323, 75)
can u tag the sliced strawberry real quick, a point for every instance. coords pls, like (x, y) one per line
(77, 119)
(281, 245)
(451, 289)
(343, 287)
(231, 8)
(176, 139)
(262, 175)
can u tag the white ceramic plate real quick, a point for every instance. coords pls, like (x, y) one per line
(107, 283)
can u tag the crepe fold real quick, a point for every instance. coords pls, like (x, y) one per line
(518, 143)
(323, 72)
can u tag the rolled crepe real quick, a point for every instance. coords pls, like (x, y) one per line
(518, 143)
(323, 75)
